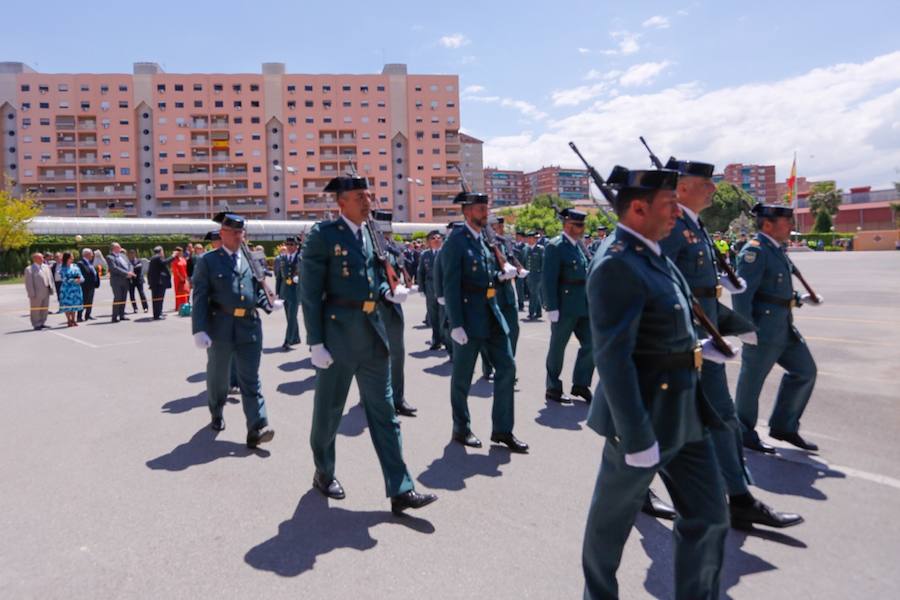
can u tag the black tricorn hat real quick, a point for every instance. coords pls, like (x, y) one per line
(291, 240)
(466, 198)
(212, 236)
(383, 215)
(771, 210)
(228, 219)
(570, 214)
(640, 179)
(343, 183)
(691, 168)
(434, 233)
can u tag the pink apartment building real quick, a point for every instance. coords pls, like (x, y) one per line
(187, 145)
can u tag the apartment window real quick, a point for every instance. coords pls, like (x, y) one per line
(104, 106)
(382, 152)
(236, 87)
(255, 120)
(238, 120)
(366, 135)
(45, 139)
(255, 137)
(382, 120)
(179, 87)
(179, 154)
(238, 153)
(365, 119)
(308, 103)
(179, 104)
(26, 123)
(123, 103)
(419, 120)
(64, 104)
(307, 88)
(123, 155)
(292, 153)
(104, 89)
(106, 156)
(436, 166)
(257, 185)
(219, 104)
(380, 88)
(105, 140)
(310, 152)
(164, 187)
(26, 105)
(26, 139)
(254, 104)
(326, 88)
(123, 122)
(381, 104)
(420, 151)
(435, 150)
(366, 152)
(292, 120)
(197, 104)
(382, 167)
(291, 89)
(198, 87)
(292, 104)
(348, 119)
(105, 123)
(345, 88)
(47, 105)
(125, 171)
(161, 105)
(123, 138)
(382, 136)
(254, 87)
(25, 87)
(45, 121)
(435, 120)
(418, 88)
(309, 120)
(311, 169)
(346, 104)
(164, 155)
(364, 89)
(217, 87)
(85, 88)
(257, 169)
(382, 184)
(451, 104)
(161, 88)
(326, 103)
(123, 88)
(435, 136)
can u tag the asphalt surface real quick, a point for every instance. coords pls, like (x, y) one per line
(113, 485)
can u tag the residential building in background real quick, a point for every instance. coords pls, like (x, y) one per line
(472, 163)
(568, 184)
(506, 188)
(152, 143)
(757, 180)
(861, 209)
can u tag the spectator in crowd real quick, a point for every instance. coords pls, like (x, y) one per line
(70, 300)
(180, 280)
(159, 279)
(89, 285)
(100, 263)
(136, 283)
(55, 265)
(39, 286)
(120, 275)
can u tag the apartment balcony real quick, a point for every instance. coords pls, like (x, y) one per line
(191, 176)
(219, 125)
(446, 187)
(232, 191)
(200, 143)
(87, 125)
(65, 160)
(60, 177)
(222, 158)
(65, 143)
(88, 159)
(46, 195)
(87, 143)
(65, 125)
(229, 173)
(97, 176)
(121, 193)
(191, 208)
(199, 124)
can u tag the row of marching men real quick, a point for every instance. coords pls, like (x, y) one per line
(663, 402)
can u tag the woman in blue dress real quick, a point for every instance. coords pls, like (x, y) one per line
(70, 298)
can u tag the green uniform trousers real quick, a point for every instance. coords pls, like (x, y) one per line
(520, 292)
(499, 352)
(727, 441)
(371, 367)
(226, 361)
(393, 324)
(291, 306)
(534, 295)
(512, 320)
(560, 332)
(693, 481)
(792, 354)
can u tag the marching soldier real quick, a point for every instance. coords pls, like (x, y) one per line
(563, 289)
(506, 298)
(647, 355)
(692, 251)
(470, 273)
(289, 268)
(424, 277)
(392, 315)
(519, 254)
(534, 264)
(769, 302)
(438, 278)
(342, 284)
(598, 241)
(225, 322)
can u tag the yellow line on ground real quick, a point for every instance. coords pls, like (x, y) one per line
(871, 321)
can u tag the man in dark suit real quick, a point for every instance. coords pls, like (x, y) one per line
(91, 282)
(159, 278)
(120, 275)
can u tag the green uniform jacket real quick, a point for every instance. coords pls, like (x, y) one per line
(469, 270)
(218, 290)
(425, 271)
(534, 259)
(287, 270)
(646, 311)
(506, 290)
(334, 266)
(565, 271)
(766, 269)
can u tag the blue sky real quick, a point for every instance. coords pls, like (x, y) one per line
(718, 81)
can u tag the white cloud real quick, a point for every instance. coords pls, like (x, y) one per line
(577, 95)
(682, 12)
(473, 89)
(846, 115)
(527, 109)
(628, 43)
(643, 74)
(584, 51)
(594, 74)
(657, 22)
(455, 40)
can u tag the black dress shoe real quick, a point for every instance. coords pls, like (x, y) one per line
(217, 424)
(285, 347)
(745, 516)
(433, 347)
(655, 507)
(90, 319)
(510, 441)
(487, 376)
(752, 442)
(557, 396)
(260, 436)
(331, 488)
(467, 439)
(583, 392)
(79, 319)
(124, 318)
(794, 439)
(405, 409)
(411, 499)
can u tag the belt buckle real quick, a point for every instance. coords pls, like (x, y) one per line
(718, 291)
(793, 303)
(289, 281)
(368, 306)
(240, 312)
(698, 357)
(491, 292)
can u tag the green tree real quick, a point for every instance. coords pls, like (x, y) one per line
(538, 217)
(549, 201)
(728, 203)
(14, 216)
(825, 198)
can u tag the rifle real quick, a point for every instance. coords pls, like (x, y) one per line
(598, 181)
(489, 234)
(378, 243)
(723, 265)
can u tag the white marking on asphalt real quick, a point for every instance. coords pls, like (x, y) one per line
(76, 340)
(849, 471)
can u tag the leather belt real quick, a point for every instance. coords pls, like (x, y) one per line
(667, 361)
(770, 299)
(367, 306)
(707, 292)
(237, 311)
(489, 292)
(572, 281)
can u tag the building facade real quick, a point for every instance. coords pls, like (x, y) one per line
(187, 145)
(506, 188)
(568, 184)
(757, 180)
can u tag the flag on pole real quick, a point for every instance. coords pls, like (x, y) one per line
(792, 182)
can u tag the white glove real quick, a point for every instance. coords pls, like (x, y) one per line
(399, 295)
(553, 315)
(321, 358)
(749, 338)
(202, 340)
(413, 288)
(522, 274)
(296, 278)
(459, 336)
(645, 458)
(710, 352)
(726, 283)
(441, 301)
(808, 299)
(277, 305)
(509, 272)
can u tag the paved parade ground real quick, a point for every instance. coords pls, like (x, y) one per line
(114, 486)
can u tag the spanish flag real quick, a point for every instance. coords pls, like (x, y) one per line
(792, 182)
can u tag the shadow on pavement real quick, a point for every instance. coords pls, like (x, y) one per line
(182, 405)
(315, 529)
(427, 353)
(354, 422)
(450, 471)
(290, 367)
(274, 350)
(559, 416)
(295, 388)
(445, 369)
(196, 377)
(482, 388)
(202, 448)
(791, 472)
